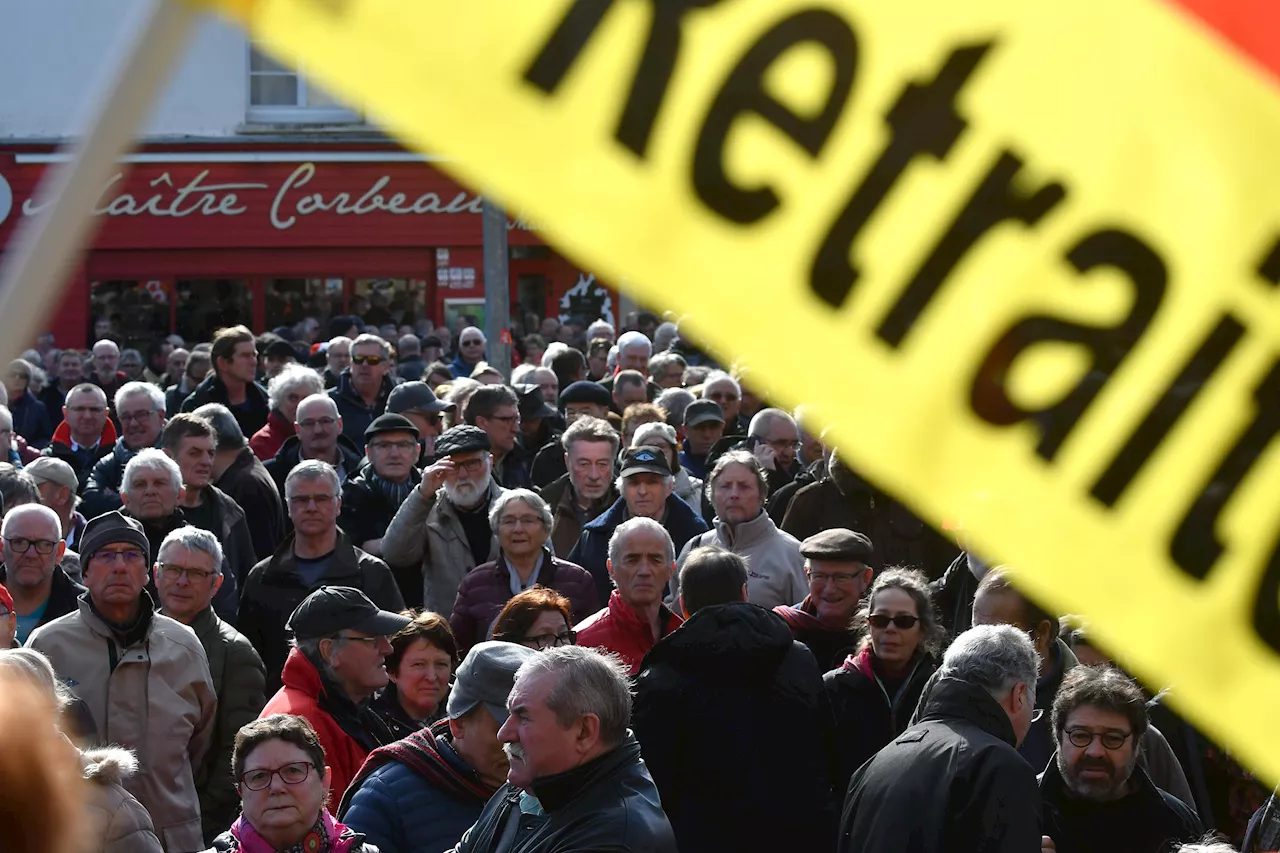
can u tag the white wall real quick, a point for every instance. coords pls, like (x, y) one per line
(53, 51)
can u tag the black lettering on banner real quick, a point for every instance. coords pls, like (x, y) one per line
(1195, 546)
(923, 121)
(1269, 267)
(996, 200)
(743, 92)
(1266, 604)
(1109, 345)
(1173, 403)
(653, 75)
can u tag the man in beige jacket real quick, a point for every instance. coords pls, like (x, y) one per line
(144, 677)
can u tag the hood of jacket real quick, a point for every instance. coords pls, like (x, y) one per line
(108, 765)
(62, 435)
(947, 698)
(726, 642)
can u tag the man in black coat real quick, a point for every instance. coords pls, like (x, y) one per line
(954, 780)
(712, 699)
(231, 381)
(1095, 794)
(244, 479)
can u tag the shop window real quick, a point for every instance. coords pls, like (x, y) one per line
(206, 305)
(138, 310)
(279, 94)
(398, 301)
(531, 302)
(289, 300)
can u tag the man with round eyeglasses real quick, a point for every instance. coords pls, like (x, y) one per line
(1096, 795)
(187, 572)
(32, 548)
(143, 675)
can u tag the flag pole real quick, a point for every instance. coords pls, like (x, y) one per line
(46, 246)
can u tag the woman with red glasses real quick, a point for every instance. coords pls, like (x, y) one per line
(874, 693)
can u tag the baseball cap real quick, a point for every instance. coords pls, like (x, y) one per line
(701, 412)
(487, 675)
(280, 349)
(46, 469)
(331, 609)
(644, 460)
(415, 397)
(532, 405)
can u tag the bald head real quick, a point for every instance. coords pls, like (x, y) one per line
(31, 521)
(318, 426)
(316, 406)
(105, 347)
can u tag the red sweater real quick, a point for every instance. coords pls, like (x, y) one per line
(266, 442)
(618, 629)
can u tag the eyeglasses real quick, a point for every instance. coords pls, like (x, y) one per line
(1112, 740)
(547, 641)
(300, 501)
(317, 422)
(902, 621)
(129, 556)
(291, 774)
(470, 465)
(22, 546)
(835, 577)
(372, 641)
(172, 573)
(782, 444)
(130, 417)
(371, 360)
(520, 521)
(506, 419)
(406, 446)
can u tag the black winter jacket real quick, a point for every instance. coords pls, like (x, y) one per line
(247, 483)
(951, 783)
(274, 589)
(608, 804)
(737, 731)
(290, 454)
(252, 416)
(356, 416)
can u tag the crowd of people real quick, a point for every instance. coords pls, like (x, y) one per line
(369, 591)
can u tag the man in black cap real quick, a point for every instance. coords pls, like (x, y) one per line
(276, 356)
(417, 402)
(703, 427)
(443, 526)
(540, 424)
(838, 563)
(144, 676)
(335, 667)
(370, 500)
(580, 399)
(647, 488)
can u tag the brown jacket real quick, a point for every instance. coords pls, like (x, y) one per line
(117, 822)
(566, 522)
(154, 697)
(427, 532)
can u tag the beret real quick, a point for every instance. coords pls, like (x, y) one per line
(839, 544)
(586, 391)
(462, 439)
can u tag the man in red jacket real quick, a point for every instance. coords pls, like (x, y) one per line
(641, 560)
(333, 671)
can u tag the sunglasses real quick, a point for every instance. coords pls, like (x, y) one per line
(902, 621)
(371, 360)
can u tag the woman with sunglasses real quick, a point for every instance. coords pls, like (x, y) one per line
(875, 691)
(537, 618)
(279, 768)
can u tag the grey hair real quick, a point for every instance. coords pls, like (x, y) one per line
(33, 666)
(631, 525)
(310, 648)
(553, 349)
(647, 433)
(151, 459)
(530, 497)
(193, 539)
(674, 401)
(6, 418)
(598, 326)
(659, 363)
(737, 457)
(619, 481)
(520, 373)
(993, 657)
(634, 340)
(589, 428)
(765, 419)
(720, 376)
(312, 469)
(589, 682)
(292, 377)
(366, 338)
(664, 336)
(1207, 846)
(22, 367)
(340, 339)
(137, 389)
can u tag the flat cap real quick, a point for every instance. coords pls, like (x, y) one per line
(463, 438)
(46, 469)
(839, 544)
(390, 422)
(586, 391)
(486, 676)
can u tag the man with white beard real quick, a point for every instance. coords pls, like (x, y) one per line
(444, 523)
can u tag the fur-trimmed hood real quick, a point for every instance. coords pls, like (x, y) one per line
(108, 765)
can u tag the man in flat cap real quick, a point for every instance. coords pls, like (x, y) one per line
(143, 675)
(397, 806)
(583, 398)
(443, 525)
(335, 667)
(838, 563)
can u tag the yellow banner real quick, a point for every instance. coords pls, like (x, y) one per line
(1022, 255)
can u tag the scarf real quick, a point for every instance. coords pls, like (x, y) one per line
(393, 493)
(327, 836)
(802, 618)
(420, 753)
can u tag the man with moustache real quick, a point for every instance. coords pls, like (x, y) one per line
(443, 526)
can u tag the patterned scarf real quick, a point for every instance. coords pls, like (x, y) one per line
(393, 493)
(327, 836)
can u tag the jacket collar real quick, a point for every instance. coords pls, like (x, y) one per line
(628, 620)
(344, 564)
(205, 624)
(1053, 788)
(952, 699)
(546, 572)
(747, 533)
(556, 792)
(348, 391)
(107, 441)
(125, 637)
